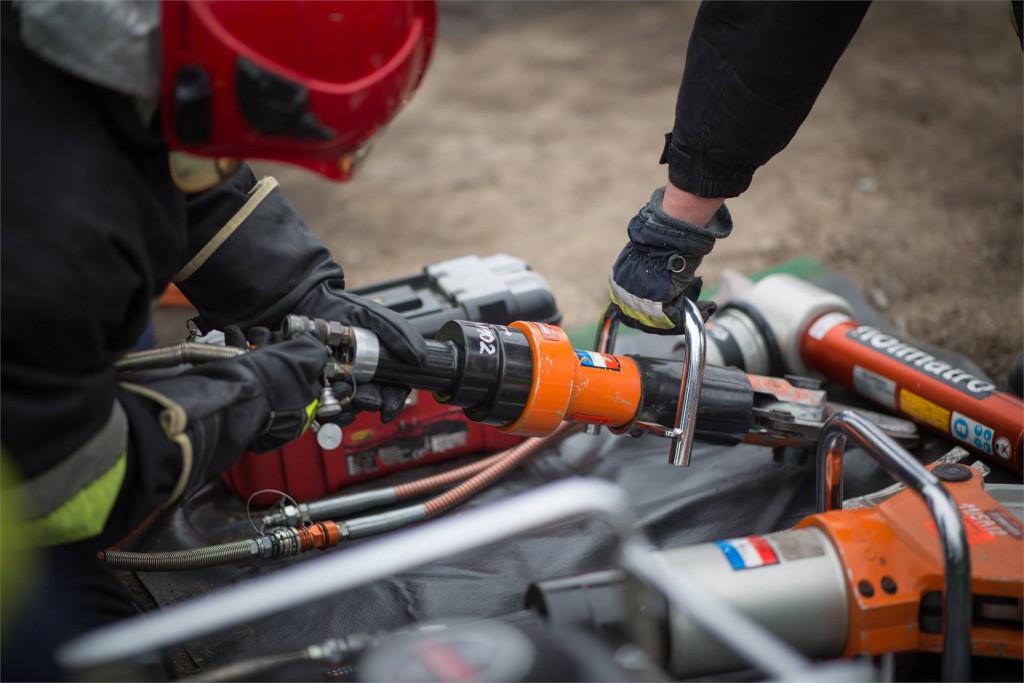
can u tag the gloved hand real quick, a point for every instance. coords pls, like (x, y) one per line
(257, 401)
(656, 270)
(393, 331)
(386, 399)
(253, 261)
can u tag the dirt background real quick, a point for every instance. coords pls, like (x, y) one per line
(538, 129)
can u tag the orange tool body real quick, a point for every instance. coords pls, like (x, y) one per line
(574, 386)
(867, 580)
(913, 383)
(893, 567)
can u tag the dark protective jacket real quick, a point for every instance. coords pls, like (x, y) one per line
(753, 71)
(93, 229)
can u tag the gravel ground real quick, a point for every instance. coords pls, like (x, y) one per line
(538, 129)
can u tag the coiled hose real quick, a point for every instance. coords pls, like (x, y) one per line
(182, 560)
(176, 354)
(511, 458)
(287, 542)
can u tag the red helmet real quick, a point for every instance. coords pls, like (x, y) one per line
(305, 82)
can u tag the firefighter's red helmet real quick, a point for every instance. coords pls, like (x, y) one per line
(304, 82)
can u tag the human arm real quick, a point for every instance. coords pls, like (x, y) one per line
(252, 261)
(753, 71)
(93, 228)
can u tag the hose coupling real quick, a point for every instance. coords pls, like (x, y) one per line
(288, 541)
(288, 515)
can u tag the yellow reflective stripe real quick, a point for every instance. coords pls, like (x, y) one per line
(310, 414)
(648, 312)
(84, 515)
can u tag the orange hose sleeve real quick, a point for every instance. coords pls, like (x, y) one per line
(510, 459)
(442, 479)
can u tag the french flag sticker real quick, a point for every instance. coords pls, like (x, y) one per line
(590, 359)
(748, 553)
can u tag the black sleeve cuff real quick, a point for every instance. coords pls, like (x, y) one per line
(695, 173)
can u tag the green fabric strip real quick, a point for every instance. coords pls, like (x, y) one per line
(84, 514)
(50, 490)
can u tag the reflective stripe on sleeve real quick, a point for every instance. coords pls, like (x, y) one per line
(53, 488)
(648, 312)
(72, 500)
(84, 515)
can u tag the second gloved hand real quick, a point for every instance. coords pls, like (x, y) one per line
(258, 401)
(656, 270)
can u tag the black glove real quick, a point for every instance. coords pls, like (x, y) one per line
(257, 401)
(386, 399)
(657, 269)
(253, 261)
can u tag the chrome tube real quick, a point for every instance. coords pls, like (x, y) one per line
(689, 387)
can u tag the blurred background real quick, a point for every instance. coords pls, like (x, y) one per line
(539, 125)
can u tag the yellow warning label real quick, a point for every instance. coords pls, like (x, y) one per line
(923, 410)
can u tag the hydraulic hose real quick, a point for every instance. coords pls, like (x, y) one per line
(176, 354)
(372, 525)
(288, 541)
(253, 668)
(410, 489)
(182, 560)
(338, 506)
(279, 542)
(510, 459)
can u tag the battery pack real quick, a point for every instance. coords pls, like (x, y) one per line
(497, 289)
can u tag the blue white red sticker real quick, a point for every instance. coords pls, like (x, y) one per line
(591, 359)
(749, 552)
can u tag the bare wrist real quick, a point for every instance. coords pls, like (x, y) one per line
(689, 207)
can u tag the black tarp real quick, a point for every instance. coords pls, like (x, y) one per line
(726, 492)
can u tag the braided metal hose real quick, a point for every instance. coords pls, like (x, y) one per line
(176, 354)
(182, 560)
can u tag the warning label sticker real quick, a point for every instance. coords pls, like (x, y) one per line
(1006, 520)
(979, 527)
(924, 410)
(874, 386)
(361, 463)
(748, 553)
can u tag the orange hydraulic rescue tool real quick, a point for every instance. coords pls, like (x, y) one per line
(526, 378)
(783, 324)
(933, 565)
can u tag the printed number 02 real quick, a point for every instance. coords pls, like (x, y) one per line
(487, 342)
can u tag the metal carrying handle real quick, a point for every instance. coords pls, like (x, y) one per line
(313, 580)
(689, 385)
(956, 655)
